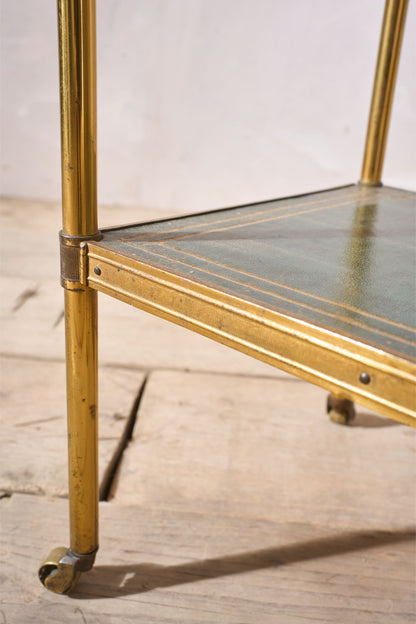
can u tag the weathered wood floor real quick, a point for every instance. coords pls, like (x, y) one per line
(237, 501)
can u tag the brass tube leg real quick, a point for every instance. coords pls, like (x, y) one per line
(77, 64)
(383, 90)
(81, 361)
(61, 570)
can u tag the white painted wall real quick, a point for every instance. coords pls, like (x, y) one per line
(207, 103)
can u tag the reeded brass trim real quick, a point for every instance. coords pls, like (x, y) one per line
(312, 353)
(383, 90)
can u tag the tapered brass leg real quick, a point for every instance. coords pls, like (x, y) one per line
(340, 411)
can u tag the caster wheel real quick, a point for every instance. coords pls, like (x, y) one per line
(58, 572)
(340, 411)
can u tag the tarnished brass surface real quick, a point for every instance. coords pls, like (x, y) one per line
(76, 21)
(386, 71)
(82, 393)
(62, 568)
(56, 575)
(79, 194)
(73, 259)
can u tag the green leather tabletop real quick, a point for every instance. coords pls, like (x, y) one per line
(342, 259)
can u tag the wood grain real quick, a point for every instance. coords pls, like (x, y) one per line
(264, 448)
(158, 565)
(33, 443)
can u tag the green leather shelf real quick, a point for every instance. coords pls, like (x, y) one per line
(336, 266)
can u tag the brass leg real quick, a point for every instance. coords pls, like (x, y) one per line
(383, 90)
(62, 568)
(77, 63)
(340, 411)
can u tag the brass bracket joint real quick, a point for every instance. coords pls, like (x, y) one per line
(367, 183)
(74, 260)
(80, 563)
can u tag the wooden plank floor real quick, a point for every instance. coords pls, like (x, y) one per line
(237, 501)
(263, 448)
(158, 566)
(33, 433)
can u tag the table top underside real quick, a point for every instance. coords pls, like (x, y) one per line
(343, 260)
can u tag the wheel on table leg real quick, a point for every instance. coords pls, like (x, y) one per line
(61, 570)
(58, 572)
(341, 411)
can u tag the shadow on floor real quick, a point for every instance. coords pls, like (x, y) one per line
(372, 421)
(123, 580)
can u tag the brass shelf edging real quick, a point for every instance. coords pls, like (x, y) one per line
(320, 356)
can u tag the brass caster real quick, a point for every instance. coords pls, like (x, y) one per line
(57, 575)
(61, 570)
(340, 411)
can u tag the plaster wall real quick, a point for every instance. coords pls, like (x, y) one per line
(207, 103)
